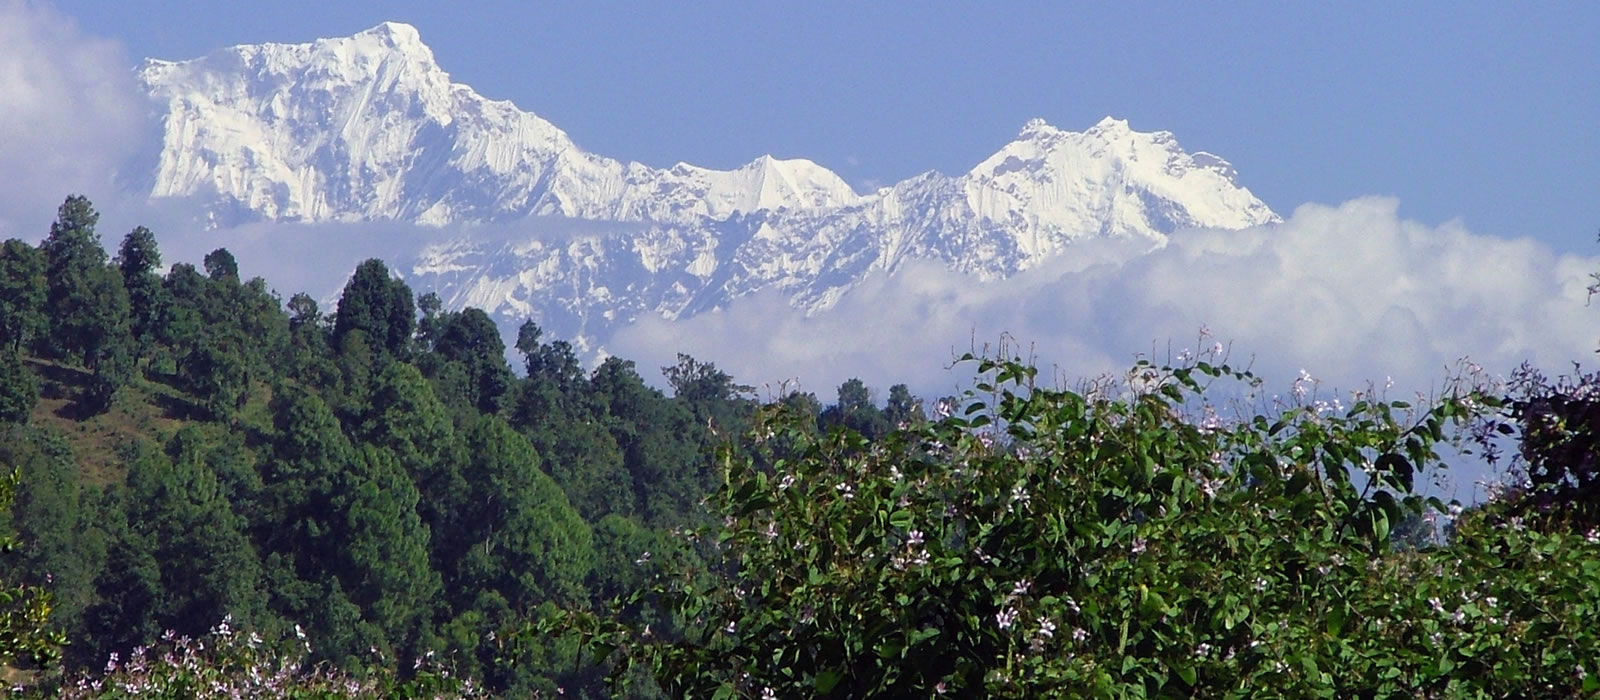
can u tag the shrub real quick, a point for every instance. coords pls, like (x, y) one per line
(1120, 540)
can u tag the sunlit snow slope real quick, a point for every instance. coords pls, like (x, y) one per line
(369, 127)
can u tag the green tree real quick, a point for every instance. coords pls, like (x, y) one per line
(61, 544)
(472, 341)
(309, 358)
(182, 322)
(221, 267)
(524, 539)
(428, 327)
(902, 410)
(25, 632)
(19, 389)
(661, 441)
(711, 394)
(22, 293)
(137, 259)
(301, 482)
(379, 305)
(406, 418)
(88, 305)
(208, 566)
(855, 410)
(386, 550)
(1113, 545)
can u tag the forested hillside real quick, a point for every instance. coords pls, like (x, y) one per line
(193, 447)
(216, 489)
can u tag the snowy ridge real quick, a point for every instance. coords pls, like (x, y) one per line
(369, 127)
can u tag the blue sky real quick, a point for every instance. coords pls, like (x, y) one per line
(1481, 111)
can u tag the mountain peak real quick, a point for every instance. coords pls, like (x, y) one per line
(1112, 124)
(398, 35)
(1034, 127)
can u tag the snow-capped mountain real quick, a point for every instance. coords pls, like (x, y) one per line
(369, 127)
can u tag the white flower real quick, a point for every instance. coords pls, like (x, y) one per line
(1079, 634)
(1138, 545)
(732, 627)
(786, 482)
(769, 694)
(1202, 650)
(1019, 494)
(643, 559)
(1046, 627)
(1005, 618)
(1021, 587)
(1593, 537)
(914, 538)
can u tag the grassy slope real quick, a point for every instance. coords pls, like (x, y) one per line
(145, 410)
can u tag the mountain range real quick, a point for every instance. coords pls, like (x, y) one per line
(370, 128)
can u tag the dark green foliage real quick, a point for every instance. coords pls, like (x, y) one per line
(63, 545)
(711, 394)
(19, 389)
(428, 327)
(855, 411)
(221, 267)
(379, 501)
(89, 307)
(1558, 423)
(25, 610)
(22, 294)
(137, 260)
(309, 456)
(470, 340)
(182, 322)
(379, 305)
(522, 539)
(902, 409)
(179, 512)
(659, 440)
(386, 546)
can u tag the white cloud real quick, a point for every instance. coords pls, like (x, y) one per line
(1350, 293)
(70, 117)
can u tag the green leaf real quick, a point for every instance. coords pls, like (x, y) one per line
(1336, 618)
(1188, 675)
(827, 680)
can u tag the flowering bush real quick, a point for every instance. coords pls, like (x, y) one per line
(228, 663)
(1125, 539)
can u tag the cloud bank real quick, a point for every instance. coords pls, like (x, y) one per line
(71, 117)
(1349, 293)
